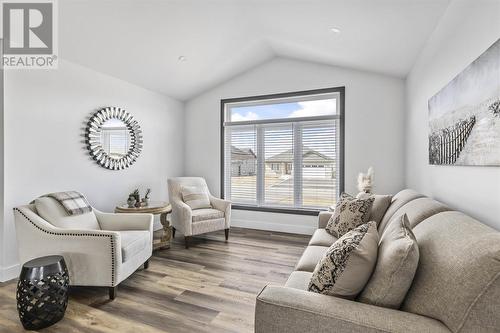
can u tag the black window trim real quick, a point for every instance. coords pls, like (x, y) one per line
(285, 210)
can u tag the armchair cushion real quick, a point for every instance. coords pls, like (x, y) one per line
(54, 213)
(195, 197)
(133, 242)
(206, 214)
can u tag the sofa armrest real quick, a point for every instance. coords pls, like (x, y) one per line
(124, 221)
(282, 309)
(323, 218)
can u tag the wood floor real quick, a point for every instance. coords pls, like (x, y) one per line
(210, 287)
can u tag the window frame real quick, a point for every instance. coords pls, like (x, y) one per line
(340, 115)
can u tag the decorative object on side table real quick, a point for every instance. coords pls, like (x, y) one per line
(131, 201)
(42, 292)
(147, 197)
(161, 238)
(137, 197)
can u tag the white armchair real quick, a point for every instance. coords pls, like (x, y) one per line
(191, 222)
(100, 249)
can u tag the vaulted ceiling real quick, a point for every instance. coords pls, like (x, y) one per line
(142, 41)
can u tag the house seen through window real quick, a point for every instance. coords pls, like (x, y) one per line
(283, 151)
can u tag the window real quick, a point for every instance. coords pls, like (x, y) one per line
(283, 152)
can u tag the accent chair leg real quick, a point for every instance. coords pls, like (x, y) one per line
(146, 264)
(112, 292)
(226, 232)
(187, 239)
(173, 232)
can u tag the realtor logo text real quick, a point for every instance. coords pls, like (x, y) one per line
(29, 35)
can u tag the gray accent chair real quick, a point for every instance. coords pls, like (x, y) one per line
(456, 286)
(192, 222)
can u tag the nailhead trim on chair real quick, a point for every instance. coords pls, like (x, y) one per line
(78, 235)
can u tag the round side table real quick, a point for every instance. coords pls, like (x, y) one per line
(161, 240)
(42, 292)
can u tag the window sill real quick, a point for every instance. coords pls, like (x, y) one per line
(294, 211)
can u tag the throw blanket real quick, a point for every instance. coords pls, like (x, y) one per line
(73, 202)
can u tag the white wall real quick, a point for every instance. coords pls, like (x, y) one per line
(466, 30)
(374, 128)
(45, 116)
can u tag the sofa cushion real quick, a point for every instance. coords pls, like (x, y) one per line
(348, 214)
(458, 277)
(400, 199)
(348, 264)
(195, 197)
(133, 242)
(53, 212)
(310, 258)
(396, 265)
(298, 280)
(206, 214)
(322, 238)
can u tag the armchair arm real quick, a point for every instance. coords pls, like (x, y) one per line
(323, 218)
(182, 217)
(93, 257)
(281, 309)
(124, 221)
(222, 205)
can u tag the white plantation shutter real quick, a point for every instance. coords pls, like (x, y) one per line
(289, 163)
(240, 165)
(278, 165)
(320, 182)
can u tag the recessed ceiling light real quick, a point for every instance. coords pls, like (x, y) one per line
(182, 58)
(335, 30)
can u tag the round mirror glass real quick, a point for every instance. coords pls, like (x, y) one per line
(115, 138)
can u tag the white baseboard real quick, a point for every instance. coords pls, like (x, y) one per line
(9, 273)
(281, 227)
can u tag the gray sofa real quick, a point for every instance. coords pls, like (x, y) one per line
(456, 287)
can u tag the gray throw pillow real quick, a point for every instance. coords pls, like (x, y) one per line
(347, 265)
(397, 263)
(380, 204)
(348, 214)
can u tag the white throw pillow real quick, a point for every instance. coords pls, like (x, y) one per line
(348, 264)
(54, 213)
(195, 197)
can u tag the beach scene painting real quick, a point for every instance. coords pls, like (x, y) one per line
(464, 116)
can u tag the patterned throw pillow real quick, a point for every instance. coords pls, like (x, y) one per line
(347, 265)
(195, 197)
(397, 263)
(348, 214)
